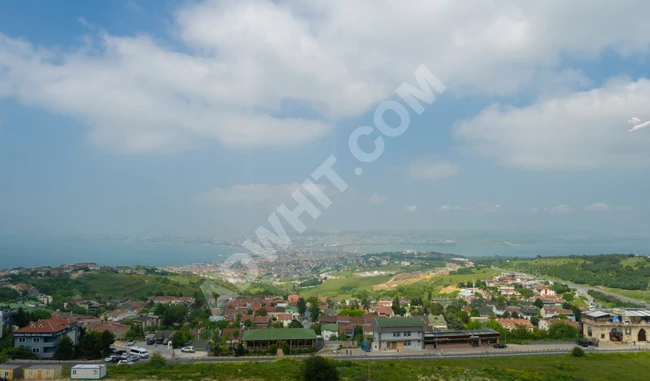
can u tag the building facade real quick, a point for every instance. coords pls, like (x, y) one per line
(398, 333)
(616, 325)
(43, 336)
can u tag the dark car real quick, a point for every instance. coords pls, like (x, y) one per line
(150, 342)
(159, 340)
(500, 345)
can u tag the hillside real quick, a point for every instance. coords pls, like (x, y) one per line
(617, 271)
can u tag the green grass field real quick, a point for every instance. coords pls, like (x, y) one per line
(642, 295)
(596, 367)
(333, 287)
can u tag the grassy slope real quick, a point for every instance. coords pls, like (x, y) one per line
(631, 367)
(112, 285)
(333, 287)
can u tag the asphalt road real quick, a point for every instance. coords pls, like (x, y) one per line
(585, 287)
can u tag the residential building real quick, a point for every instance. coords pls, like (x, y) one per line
(550, 312)
(117, 329)
(146, 322)
(43, 336)
(398, 333)
(511, 324)
(545, 324)
(437, 322)
(619, 324)
(327, 330)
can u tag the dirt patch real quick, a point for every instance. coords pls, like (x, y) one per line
(399, 280)
(449, 289)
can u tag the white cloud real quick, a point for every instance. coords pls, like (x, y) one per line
(597, 207)
(582, 130)
(431, 168)
(480, 207)
(411, 208)
(534, 210)
(237, 61)
(252, 193)
(377, 199)
(561, 209)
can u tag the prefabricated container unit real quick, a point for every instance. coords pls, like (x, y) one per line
(11, 372)
(88, 372)
(43, 372)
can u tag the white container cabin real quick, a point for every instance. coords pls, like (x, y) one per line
(88, 372)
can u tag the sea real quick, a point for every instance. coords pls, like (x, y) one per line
(35, 252)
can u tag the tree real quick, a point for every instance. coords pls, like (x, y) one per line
(474, 325)
(397, 309)
(93, 345)
(21, 319)
(261, 312)
(534, 321)
(181, 337)
(286, 349)
(333, 337)
(64, 349)
(295, 324)
(317, 328)
(240, 350)
(248, 323)
(539, 303)
(157, 361)
(561, 330)
(314, 311)
(317, 368)
(562, 317)
(302, 306)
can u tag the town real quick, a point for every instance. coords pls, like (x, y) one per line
(490, 314)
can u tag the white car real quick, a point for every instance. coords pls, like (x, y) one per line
(187, 350)
(125, 362)
(131, 343)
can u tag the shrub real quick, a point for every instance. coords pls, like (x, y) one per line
(577, 352)
(317, 368)
(273, 349)
(157, 361)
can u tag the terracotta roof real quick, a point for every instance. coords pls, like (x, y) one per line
(47, 326)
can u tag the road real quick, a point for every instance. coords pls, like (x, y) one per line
(358, 355)
(585, 288)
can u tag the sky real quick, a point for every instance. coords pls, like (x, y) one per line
(147, 117)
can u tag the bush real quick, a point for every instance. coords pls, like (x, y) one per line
(577, 352)
(157, 361)
(273, 349)
(317, 368)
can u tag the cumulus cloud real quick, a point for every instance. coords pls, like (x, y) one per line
(431, 168)
(582, 130)
(597, 207)
(235, 63)
(561, 209)
(252, 193)
(411, 208)
(377, 199)
(480, 207)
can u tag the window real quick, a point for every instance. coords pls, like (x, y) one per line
(36, 350)
(407, 334)
(74, 372)
(407, 343)
(21, 339)
(589, 331)
(36, 340)
(396, 334)
(628, 331)
(48, 373)
(602, 336)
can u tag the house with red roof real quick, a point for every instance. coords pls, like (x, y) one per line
(43, 336)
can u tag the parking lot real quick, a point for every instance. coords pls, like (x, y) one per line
(166, 350)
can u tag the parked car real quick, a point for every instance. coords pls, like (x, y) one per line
(131, 343)
(159, 340)
(187, 349)
(500, 345)
(165, 342)
(125, 362)
(150, 341)
(110, 359)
